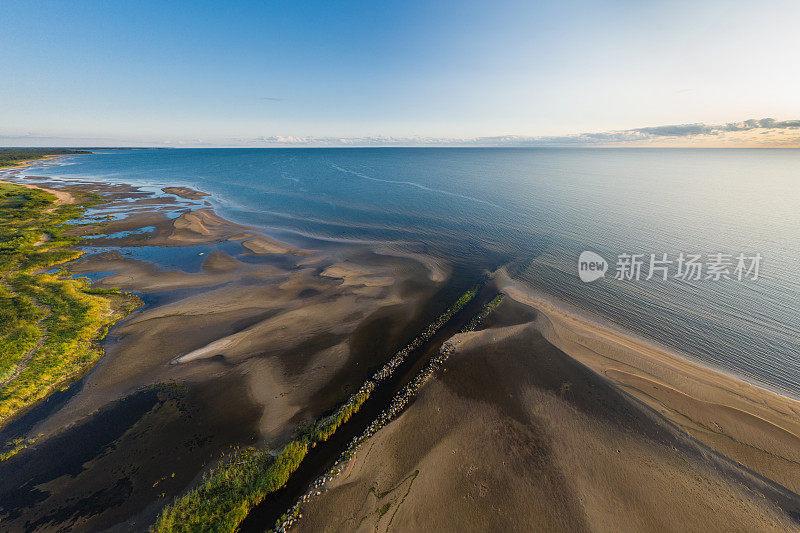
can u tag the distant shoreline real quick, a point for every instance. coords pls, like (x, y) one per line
(28, 162)
(19, 158)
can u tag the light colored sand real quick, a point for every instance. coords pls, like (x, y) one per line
(512, 435)
(752, 425)
(439, 270)
(201, 225)
(204, 226)
(355, 275)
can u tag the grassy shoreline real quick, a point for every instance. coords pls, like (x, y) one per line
(49, 323)
(20, 157)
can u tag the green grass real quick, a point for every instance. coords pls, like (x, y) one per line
(230, 490)
(49, 323)
(11, 157)
(15, 446)
(242, 480)
(324, 429)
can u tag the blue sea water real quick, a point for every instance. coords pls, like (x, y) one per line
(536, 209)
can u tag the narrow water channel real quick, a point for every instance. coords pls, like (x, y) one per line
(320, 458)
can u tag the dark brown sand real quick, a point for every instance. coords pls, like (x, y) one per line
(514, 435)
(122, 463)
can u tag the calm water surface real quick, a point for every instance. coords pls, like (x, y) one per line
(537, 209)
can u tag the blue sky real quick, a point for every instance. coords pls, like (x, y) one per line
(258, 73)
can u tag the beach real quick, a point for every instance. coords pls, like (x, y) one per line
(755, 426)
(513, 433)
(283, 267)
(543, 416)
(242, 349)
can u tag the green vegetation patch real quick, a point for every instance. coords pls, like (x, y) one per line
(231, 489)
(49, 323)
(15, 446)
(10, 157)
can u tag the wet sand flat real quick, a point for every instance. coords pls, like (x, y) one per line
(754, 426)
(275, 336)
(513, 434)
(543, 419)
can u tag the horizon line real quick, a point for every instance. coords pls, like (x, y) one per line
(750, 133)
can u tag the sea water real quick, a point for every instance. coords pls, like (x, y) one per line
(535, 210)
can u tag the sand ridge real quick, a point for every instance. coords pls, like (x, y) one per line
(186, 192)
(513, 434)
(754, 426)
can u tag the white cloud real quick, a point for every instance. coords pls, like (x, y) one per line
(731, 134)
(751, 132)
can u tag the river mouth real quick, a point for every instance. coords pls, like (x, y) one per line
(114, 447)
(322, 456)
(246, 340)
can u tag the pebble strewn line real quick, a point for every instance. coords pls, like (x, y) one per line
(397, 404)
(330, 424)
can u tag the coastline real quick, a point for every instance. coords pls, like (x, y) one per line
(51, 322)
(289, 331)
(221, 292)
(541, 301)
(513, 433)
(701, 443)
(19, 165)
(54, 154)
(62, 197)
(751, 424)
(261, 243)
